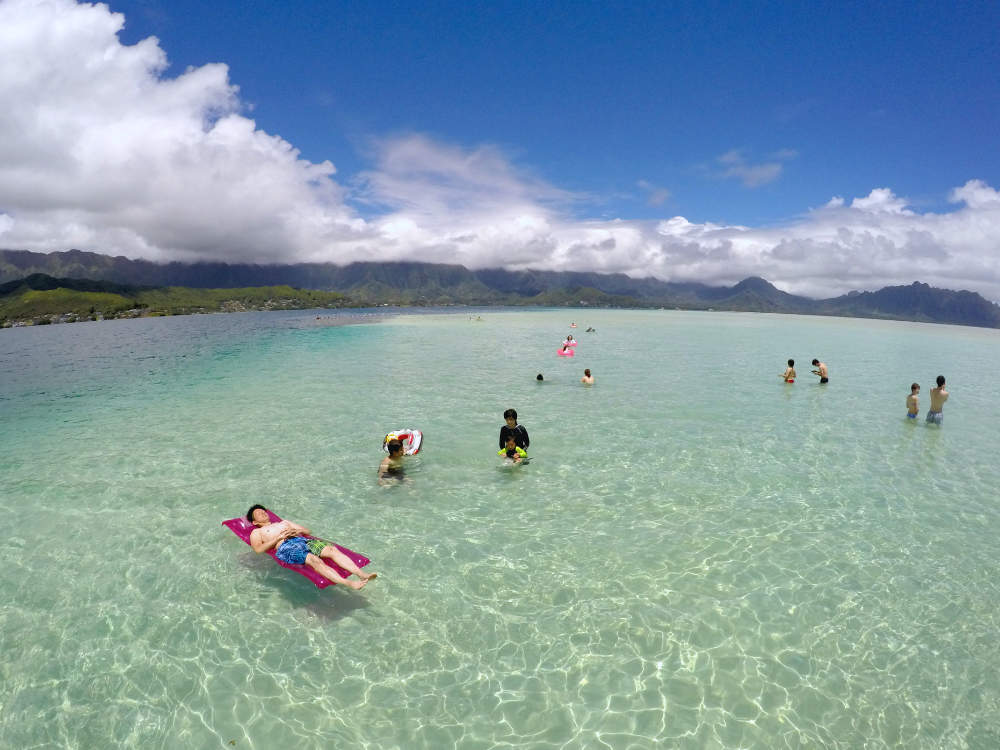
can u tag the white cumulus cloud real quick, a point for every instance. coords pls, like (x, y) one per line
(880, 200)
(99, 150)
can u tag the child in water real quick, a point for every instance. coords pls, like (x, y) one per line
(789, 373)
(913, 402)
(392, 465)
(513, 451)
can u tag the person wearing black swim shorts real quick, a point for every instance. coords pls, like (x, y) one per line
(821, 370)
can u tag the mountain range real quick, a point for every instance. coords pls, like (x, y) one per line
(411, 283)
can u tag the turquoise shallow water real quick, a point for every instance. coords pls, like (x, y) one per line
(698, 556)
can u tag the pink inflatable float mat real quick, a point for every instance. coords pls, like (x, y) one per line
(242, 528)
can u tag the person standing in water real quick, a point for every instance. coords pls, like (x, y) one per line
(789, 373)
(913, 402)
(587, 378)
(821, 370)
(513, 428)
(938, 396)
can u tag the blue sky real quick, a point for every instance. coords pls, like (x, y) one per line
(596, 97)
(824, 146)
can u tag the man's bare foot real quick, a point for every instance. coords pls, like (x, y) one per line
(354, 584)
(366, 576)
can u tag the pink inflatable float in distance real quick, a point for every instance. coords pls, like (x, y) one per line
(242, 528)
(566, 352)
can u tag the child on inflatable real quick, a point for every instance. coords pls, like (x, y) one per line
(512, 451)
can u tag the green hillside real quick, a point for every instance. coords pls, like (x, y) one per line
(41, 299)
(32, 303)
(179, 288)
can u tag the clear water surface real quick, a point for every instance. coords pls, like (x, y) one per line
(698, 556)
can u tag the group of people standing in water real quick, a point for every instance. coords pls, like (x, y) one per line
(514, 440)
(293, 543)
(821, 370)
(938, 395)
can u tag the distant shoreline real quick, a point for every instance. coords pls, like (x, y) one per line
(352, 315)
(125, 284)
(349, 316)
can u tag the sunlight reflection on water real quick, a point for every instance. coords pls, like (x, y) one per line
(697, 555)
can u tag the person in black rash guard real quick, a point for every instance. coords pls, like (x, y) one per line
(513, 428)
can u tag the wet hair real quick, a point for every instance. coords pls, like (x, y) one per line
(252, 509)
(791, 363)
(510, 414)
(587, 372)
(539, 377)
(914, 387)
(940, 380)
(395, 445)
(511, 439)
(815, 361)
